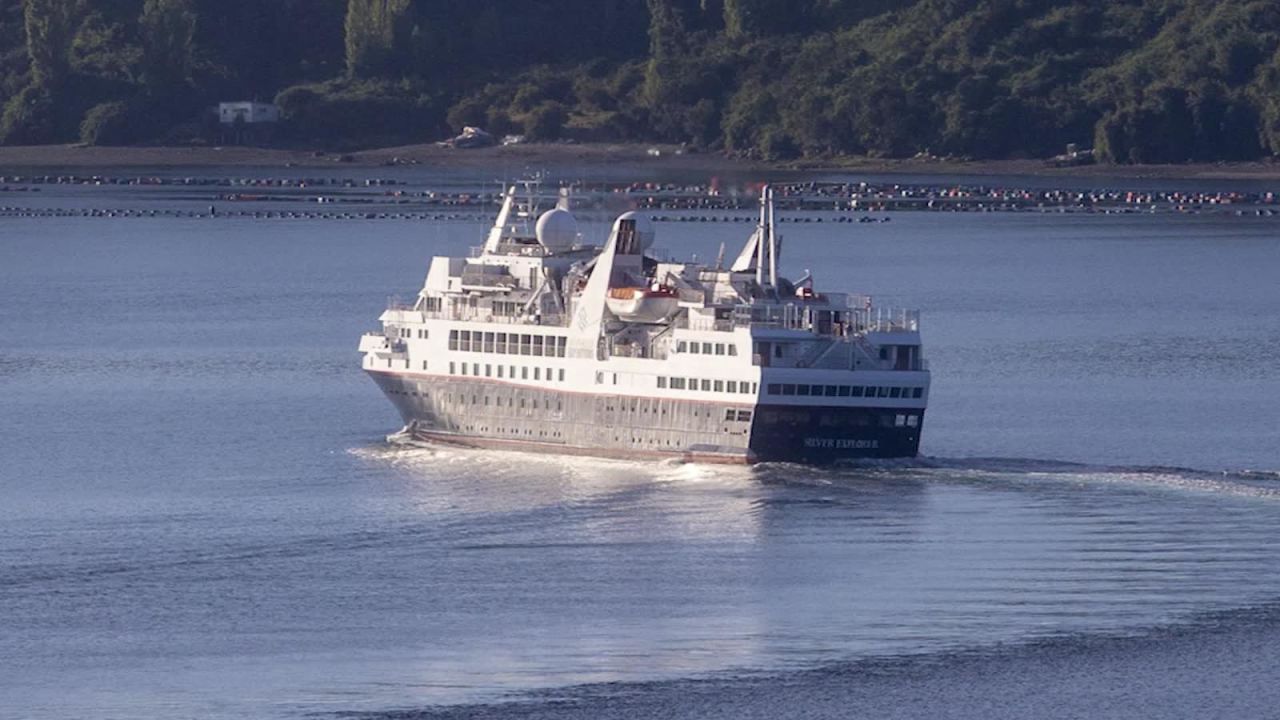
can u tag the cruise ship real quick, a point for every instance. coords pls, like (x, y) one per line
(542, 341)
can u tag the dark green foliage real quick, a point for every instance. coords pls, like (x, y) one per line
(28, 118)
(1146, 80)
(350, 114)
(107, 124)
(546, 121)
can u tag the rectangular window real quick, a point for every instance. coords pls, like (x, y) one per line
(524, 373)
(917, 392)
(451, 369)
(731, 386)
(526, 344)
(895, 392)
(502, 344)
(789, 389)
(693, 383)
(453, 339)
(662, 382)
(802, 389)
(719, 348)
(464, 368)
(537, 345)
(882, 392)
(733, 349)
(744, 416)
(550, 377)
(537, 373)
(900, 421)
(706, 386)
(745, 388)
(706, 348)
(561, 373)
(870, 391)
(844, 391)
(775, 388)
(488, 342)
(475, 369)
(856, 391)
(682, 346)
(424, 364)
(562, 343)
(832, 390)
(488, 370)
(693, 348)
(677, 383)
(719, 386)
(500, 368)
(730, 415)
(913, 421)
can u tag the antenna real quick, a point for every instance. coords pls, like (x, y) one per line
(773, 241)
(720, 259)
(760, 236)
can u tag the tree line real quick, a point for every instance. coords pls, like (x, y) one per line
(1140, 80)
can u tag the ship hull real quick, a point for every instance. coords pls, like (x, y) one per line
(490, 414)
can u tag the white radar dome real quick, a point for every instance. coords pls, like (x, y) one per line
(557, 229)
(644, 227)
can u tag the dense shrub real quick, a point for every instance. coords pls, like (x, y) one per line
(108, 124)
(28, 118)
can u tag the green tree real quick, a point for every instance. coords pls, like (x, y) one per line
(377, 34)
(168, 31)
(50, 27)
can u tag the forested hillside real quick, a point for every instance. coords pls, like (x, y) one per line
(1141, 80)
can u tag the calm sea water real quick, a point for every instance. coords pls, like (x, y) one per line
(200, 517)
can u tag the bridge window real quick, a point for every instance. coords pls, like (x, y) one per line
(917, 392)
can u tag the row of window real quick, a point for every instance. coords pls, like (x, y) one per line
(421, 334)
(508, 372)
(870, 391)
(705, 385)
(706, 348)
(502, 343)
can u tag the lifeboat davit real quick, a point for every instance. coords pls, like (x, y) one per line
(641, 304)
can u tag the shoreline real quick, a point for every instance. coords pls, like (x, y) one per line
(594, 154)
